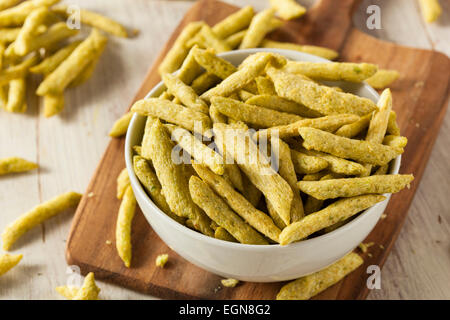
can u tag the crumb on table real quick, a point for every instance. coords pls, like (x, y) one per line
(230, 283)
(161, 260)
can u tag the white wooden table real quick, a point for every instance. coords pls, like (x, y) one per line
(68, 148)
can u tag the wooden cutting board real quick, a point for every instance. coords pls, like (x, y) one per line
(420, 100)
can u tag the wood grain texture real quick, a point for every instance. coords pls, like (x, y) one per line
(329, 24)
(70, 146)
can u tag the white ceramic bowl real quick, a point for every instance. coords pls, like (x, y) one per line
(255, 263)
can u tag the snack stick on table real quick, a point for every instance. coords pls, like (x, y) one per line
(258, 116)
(288, 9)
(314, 50)
(258, 29)
(37, 215)
(320, 98)
(120, 127)
(8, 261)
(96, 20)
(307, 287)
(123, 227)
(234, 22)
(89, 290)
(68, 70)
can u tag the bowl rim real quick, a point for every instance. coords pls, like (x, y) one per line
(139, 190)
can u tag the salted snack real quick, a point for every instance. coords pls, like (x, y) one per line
(379, 122)
(288, 9)
(219, 212)
(37, 215)
(431, 10)
(354, 128)
(212, 63)
(17, 71)
(120, 127)
(8, 34)
(358, 150)
(23, 42)
(235, 39)
(350, 187)
(335, 212)
(223, 234)
(306, 164)
(395, 141)
(259, 27)
(265, 85)
(338, 165)
(248, 72)
(174, 182)
(149, 180)
(53, 104)
(16, 96)
(123, 181)
(268, 151)
(209, 39)
(314, 50)
(312, 204)
(178, 114)
(96, 20)
(15, 165)
(286, 170)
(68, 70)
(5, 4)
(258, 170)
(89, 289)
(50, 63)
(184, 93)
(383, 78)
(179, 51)
(16, 15)
(234, 22)
(332, 71)
(123, 226)
(8, 261)
(200, 152)
(311, 285)
(68, 292)
(161, 260)
(55, 33)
